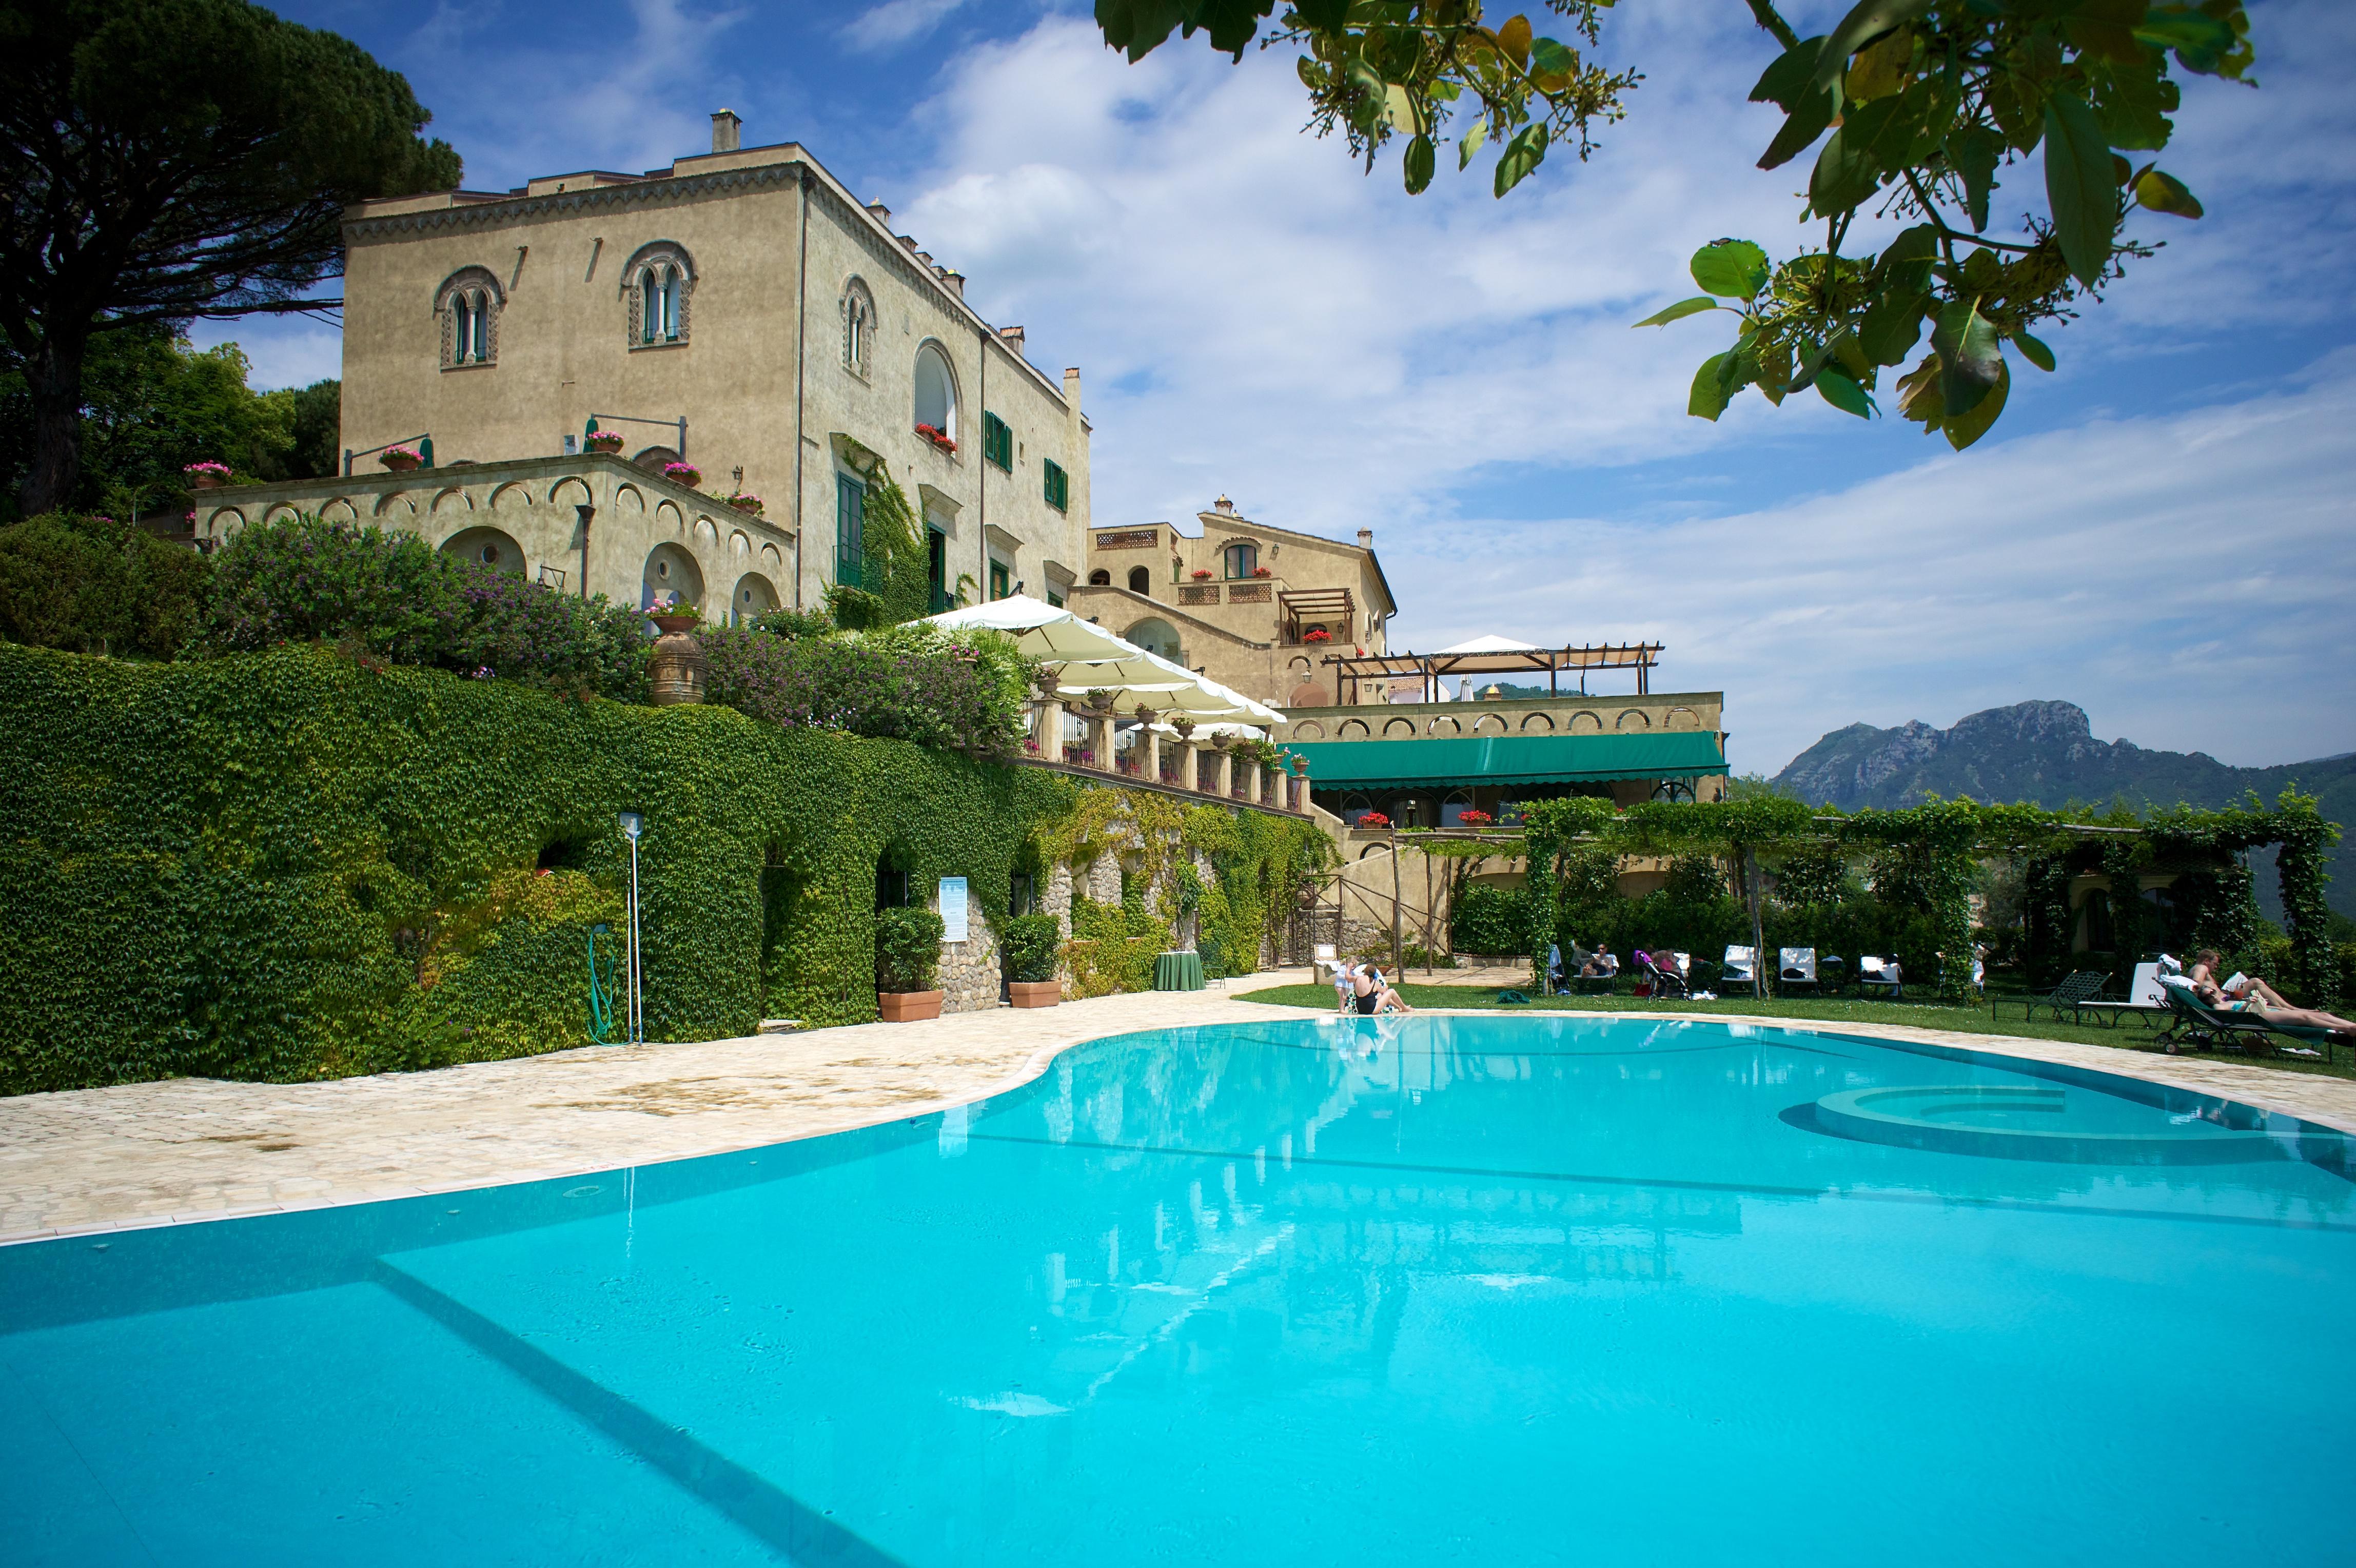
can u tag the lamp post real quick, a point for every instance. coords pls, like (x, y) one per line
(633, 824)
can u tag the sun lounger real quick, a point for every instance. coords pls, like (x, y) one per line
(2199, 1025)
(1738, 967)
(1797, 967)
(1881, 970)
(2076, 987)
(2146, 999)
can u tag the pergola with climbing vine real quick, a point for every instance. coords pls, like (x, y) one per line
(1938, 847)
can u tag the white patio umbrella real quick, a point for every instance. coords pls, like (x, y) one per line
(1087, 658)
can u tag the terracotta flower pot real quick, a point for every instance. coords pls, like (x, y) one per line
(908, 1006)
(609, 448)
(1036, 993)
(400, 462)
(206, 482)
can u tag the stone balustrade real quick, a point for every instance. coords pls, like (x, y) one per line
(1155, 760)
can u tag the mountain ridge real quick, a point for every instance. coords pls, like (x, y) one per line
(2045, 752)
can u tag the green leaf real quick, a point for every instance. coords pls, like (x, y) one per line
(1679, 311)
(1786, 81)
(1970, 359)
(1836, 389)
(1708, 397)
(1963, 429)
(1730, 269)
(2133, 104)
(1138, 28)
(1848, 171)
(1469, 143)
(1893, 326)
(1323, 15)
(2079, 186)
(1868, 21)
(1974, 150)
(1418, 164)
(1370, 96)
(2034, 351)
(1801, 128)
(2165, 193)
(1548, 57)
(2201, 41)
(1521, 156)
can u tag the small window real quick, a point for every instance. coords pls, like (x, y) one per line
(1100, 578)
(1242, 560)
(1054, 599)
(1000, 580)
(998, 441)
(1059, 484)
(658, 286)
(849, 532)
(468, 309)
(1140, 581)
(858, 325)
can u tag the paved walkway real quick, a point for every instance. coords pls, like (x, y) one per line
(155, 1154)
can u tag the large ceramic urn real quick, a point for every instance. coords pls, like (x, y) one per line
(677, 667)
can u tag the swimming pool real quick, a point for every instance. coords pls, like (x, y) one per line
(1432, 1290)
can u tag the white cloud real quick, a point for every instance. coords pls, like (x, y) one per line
(1256, 318)
(896, 22)
(280, 352)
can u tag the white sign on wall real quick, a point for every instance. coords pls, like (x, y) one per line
(953, 916)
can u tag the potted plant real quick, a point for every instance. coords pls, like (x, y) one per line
(686, 474)
(1201, 574)
(1469, 818)
(1263, 572)
(1316, 634)
(606, 441)
(1030, 948)
(1373, 822)
(1185, 727)
(400, 459)
(745, 503)
(207, 476)
(908, 958)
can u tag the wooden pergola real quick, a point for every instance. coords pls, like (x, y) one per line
(1335, 608)
(1551, 662)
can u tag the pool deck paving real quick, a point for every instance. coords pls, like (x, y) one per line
(191, 1149)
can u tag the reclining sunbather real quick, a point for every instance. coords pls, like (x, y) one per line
(2256, 999)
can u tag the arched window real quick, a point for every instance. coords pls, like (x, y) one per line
(467, 305)
(858, 325)
(1100, 578)
(936, 403)
(1155, 636)
(1242, 560)
(1141, 580)
(658, 286)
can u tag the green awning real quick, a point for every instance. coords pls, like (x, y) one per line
(1511, 758)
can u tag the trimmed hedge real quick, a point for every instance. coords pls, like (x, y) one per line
(296, 864)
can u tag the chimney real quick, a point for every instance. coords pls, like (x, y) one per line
(882, 214)
(955, 279)
(1224, 507)
(1014, 336)
(726, 128)
(1365, 539)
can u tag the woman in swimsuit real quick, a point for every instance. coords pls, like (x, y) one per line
(2257, 999)
(1374, 996)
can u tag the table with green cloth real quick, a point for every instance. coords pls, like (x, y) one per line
(1178, 971)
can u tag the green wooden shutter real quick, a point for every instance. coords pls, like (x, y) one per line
(998, 441)
(849, 532)
(1059, 486)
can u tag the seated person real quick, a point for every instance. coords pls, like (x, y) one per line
(1373, 994)
(1601, 965)
(2255, 998)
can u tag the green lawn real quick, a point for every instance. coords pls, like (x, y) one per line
(2130, 1035)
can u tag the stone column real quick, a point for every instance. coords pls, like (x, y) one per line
(1100, 737)
(1182, 762)
(1048, 731)
(1149, 749)
(1255, 780)
(1222, 777)
(1301, 791)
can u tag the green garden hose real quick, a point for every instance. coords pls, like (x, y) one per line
(601, 992)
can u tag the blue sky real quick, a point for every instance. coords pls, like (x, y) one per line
(2161, 531)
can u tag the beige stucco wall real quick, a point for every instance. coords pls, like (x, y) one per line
(773, 242)
(1236, 632)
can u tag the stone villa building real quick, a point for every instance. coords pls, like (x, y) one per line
(740, 310)
(1253, 606)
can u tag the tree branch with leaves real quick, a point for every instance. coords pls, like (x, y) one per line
(1920, 106)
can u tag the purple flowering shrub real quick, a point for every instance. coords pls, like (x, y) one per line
(937, 696)
(398, 599)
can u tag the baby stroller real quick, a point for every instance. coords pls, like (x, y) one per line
(1667, 971)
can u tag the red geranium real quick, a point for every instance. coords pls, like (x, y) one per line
(1316, 634)
(1472, 819)
(1373, 819)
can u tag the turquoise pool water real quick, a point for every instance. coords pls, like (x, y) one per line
(1486, 1291)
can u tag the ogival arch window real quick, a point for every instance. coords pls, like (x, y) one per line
(658, 287)
(467, 305)
(858, 325)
